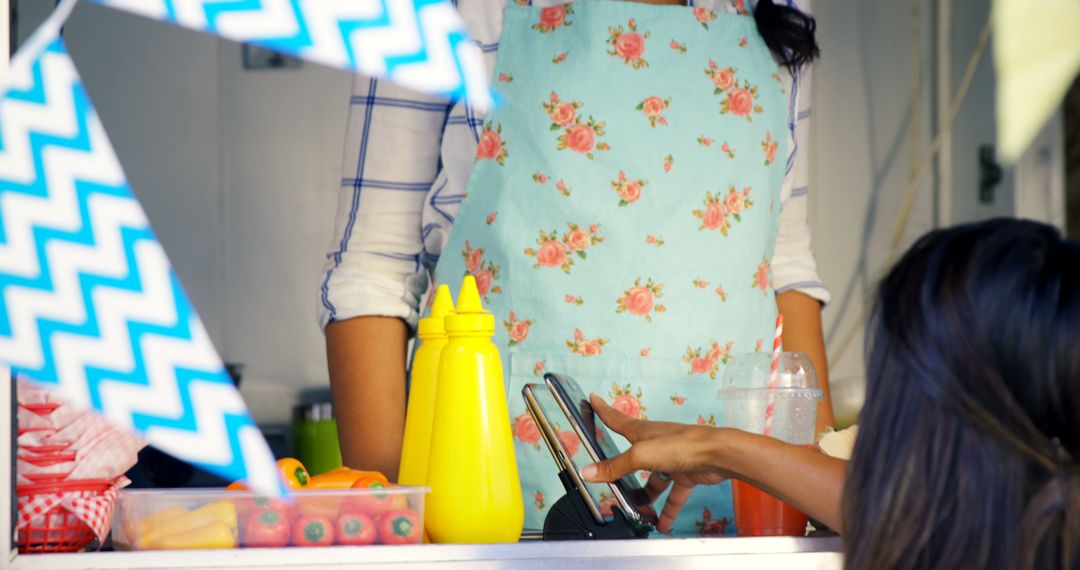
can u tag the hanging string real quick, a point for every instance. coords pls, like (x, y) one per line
(915, 177)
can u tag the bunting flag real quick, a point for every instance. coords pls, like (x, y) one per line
(89, 304)
(420, 44)
(1037, 57)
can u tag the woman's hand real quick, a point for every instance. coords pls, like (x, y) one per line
(701, 455)
(687, 452)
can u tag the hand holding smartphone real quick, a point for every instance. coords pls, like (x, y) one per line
(571, 404)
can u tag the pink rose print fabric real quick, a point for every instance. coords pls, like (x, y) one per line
(627, 401)
(641, 299)
(720, 211)
(578, 134)
(579, 239)
(561, 186)
(526, 430)
(569, 441)
(517, 329)
(723, 77)
(607, 503)
(629, 191)
(562, 113)
(708, 526)
(739, 97)
(654, 107)
(556, 252)
(577, 224)
(552, 252)
(492, 146)
(769, 146)
(704, 16)
(761, 276)
(741, 101)
(586, 346)
(485, 272)
(707, 362)
(554, 18)
(629, 44)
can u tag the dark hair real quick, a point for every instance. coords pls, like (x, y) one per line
(788, 32)
(969, 439)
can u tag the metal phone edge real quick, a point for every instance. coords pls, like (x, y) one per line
(557, 390)
(554, 446)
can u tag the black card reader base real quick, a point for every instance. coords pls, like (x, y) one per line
(570, 519)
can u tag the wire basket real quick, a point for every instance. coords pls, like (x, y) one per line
(56, 529)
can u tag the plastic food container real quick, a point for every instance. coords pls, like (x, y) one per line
(213, 519)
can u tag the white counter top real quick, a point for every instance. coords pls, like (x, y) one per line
(650, 554)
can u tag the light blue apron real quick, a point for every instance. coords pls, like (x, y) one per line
(622, 213)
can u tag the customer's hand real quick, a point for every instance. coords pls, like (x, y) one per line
(686, 453)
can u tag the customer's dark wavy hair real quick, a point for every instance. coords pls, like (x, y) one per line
(969, 440)
(789, 33)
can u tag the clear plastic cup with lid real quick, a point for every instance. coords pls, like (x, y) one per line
(781, 404)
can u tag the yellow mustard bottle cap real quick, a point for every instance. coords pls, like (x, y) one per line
(470, 315)
(441, 307)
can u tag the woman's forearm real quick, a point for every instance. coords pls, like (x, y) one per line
(802, 333)
(801, 476)
(366, 357)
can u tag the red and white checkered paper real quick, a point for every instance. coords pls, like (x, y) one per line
(34, 422)
(95, 511)
(96, 449)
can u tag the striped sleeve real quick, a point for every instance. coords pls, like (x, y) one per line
(794, 267)
(392, 149)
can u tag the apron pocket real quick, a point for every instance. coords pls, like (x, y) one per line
(647, 388)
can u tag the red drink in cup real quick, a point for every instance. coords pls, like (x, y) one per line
(779, 401)
(758, 513)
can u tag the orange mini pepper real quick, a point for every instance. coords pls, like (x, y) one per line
(343, 478)
(295, 474)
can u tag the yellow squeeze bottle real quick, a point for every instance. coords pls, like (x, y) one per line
(475, 492)
(421, 411)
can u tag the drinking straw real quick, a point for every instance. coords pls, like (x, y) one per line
(774, 376)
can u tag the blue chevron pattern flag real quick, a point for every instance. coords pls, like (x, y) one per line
(420, 44)
(89, 304)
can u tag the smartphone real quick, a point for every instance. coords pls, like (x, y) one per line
(543, 409)
(600, 445)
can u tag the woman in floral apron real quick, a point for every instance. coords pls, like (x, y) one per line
(623, 211)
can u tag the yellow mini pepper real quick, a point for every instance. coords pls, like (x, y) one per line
(159, 530)
(214, 535)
